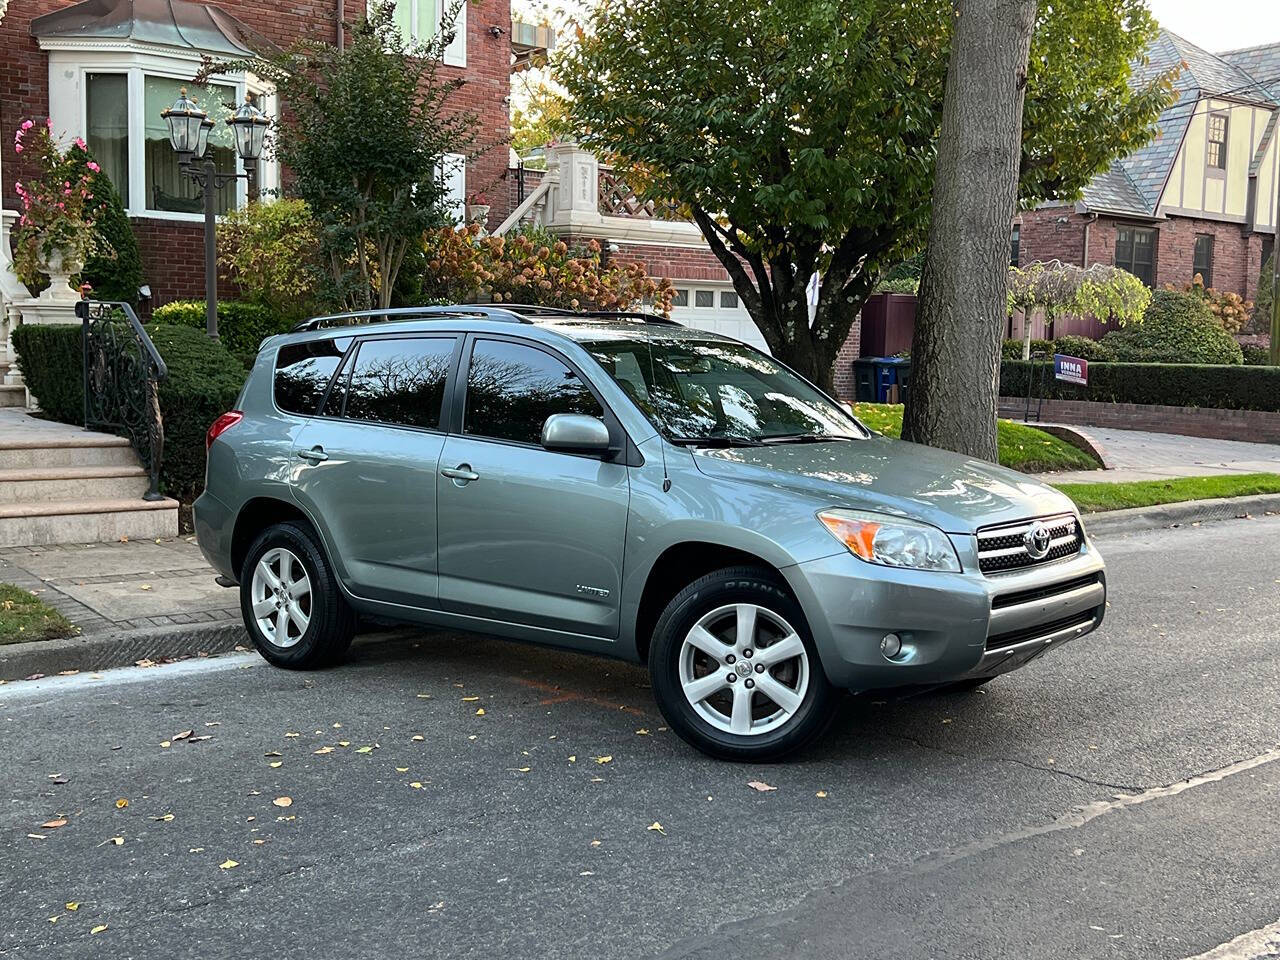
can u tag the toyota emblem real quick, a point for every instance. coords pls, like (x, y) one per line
(1036, 541)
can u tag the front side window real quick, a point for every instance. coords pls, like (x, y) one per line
(107, 129)
(512, 388)
(1202, 260)
(167, 188)
(400, 381)
(303, 372)
(1217, 141)
(1135, 252)
(713, 391)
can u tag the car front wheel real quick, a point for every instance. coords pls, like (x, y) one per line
(292, 607)
(735, 670)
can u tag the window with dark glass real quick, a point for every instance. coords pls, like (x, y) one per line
(728, 300)
(303, 372)
(1218, 141)
(704, 298)
(107, 127)
(513, 388)
(168, 188)
(399, 381)
(1135, 252)
(1015, 244)
(681, 299)
(1202, 260)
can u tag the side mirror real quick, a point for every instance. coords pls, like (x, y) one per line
(575, 433)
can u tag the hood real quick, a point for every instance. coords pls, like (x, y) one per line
(950, 491)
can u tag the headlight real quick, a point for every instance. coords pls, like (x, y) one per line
(891, 541)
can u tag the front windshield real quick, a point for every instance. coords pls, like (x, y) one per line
(715, 391)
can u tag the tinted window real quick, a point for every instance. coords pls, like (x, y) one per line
(303, 371)
(512, 389)
(400, 381)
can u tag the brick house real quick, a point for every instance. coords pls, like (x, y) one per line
(103, 69)
(1200, 198)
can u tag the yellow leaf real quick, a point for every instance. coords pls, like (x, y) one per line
(164, 817)
(642, 732)
(605, 759)
(480, 712)
(470, 699)
(293, 734)
(364, 749)
(525, 769)
(573, 759)
(274, 753)
(657, 828)
(99, 928)
(276, 763)
(121, 803)
(228, 864)
(323, 750)
(417, 737)
(145, 586)
(595, 843)
(283, 801)
(821, 793)
(344, 743)
(416, 785)
(73, 905)
(118, 841)
(164, 743)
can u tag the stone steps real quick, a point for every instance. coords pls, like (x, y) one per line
(86, 521)
(44, 484)
(66, 450)
(12, 395)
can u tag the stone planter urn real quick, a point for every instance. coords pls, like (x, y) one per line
(61, 266)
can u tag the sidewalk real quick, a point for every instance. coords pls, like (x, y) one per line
(1137, 455)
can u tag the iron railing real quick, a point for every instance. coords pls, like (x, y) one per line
(122, 374)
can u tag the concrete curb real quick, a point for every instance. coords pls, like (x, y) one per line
(1137, 519)
(119, 648)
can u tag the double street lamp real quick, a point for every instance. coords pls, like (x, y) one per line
(189, 129)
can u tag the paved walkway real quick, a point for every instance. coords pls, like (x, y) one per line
(1137, 455)
(103, 587)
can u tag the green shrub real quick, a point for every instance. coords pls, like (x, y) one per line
(1095, 351)
(242, 324)
(1256, 356)
(115, 270)
(1260, 319)
(1220, 386)
(1012, 349)
(1177, 328)
(271, 251)
(899, 285)
(204, 380)
(51, 359)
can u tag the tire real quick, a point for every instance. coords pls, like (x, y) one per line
(318, 624)
(682, 670)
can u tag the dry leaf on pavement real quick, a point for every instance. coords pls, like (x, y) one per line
(656, 827)
(121, 803)
(228, 864)
(283, 801)
(760, 785)
(605, 759)
(54, 824)
(99, 928)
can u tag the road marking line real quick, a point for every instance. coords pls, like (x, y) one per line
(1260, 944)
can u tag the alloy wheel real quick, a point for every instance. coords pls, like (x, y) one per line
(281, 597)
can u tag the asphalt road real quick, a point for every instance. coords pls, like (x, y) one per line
(1049, 817)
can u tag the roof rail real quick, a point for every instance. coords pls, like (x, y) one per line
(532, 310)
(411, 313)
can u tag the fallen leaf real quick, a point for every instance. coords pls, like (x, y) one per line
(228, 864)
(524, 769)
(163, 818)
(99, 928)
(821, 793)
(364, 749)
(276, 763)
(417, 737)
(480, 712)
(642, 732)
(595, 843)
(586, 873)
(573, 759)
(283, 801)
(203, 736)
(605, 759)
(54, 824)
(402, 769)
(73, 905)
(274, 753)
(117, 841)
(417, 785)
(291, 734)
(656, 827)
(424, 696)
(344, 743)
(470, 699)
(760, 785)
(323, 750)
(165, 743)
(144, 586)
(182, 736)
(121, 803)
(58, 778)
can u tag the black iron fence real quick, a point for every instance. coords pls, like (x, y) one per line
(122, 374)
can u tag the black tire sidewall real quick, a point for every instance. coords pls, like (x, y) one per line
(735, 585)
(329, 631)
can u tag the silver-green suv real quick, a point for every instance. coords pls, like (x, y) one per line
(621, 485)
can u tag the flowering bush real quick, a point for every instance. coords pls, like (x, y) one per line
(534, 267)
(1230, 309)
(57, 210)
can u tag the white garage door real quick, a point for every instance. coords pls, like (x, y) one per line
(715, 307)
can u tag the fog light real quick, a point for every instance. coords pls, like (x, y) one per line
(891, 645)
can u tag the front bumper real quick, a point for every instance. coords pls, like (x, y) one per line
(953, 626)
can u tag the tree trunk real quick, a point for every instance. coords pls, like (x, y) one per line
(955, 352)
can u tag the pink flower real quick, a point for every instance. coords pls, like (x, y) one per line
(48, 122)
(27, 124)
(17, 148)
(79, 142)
(93, 166)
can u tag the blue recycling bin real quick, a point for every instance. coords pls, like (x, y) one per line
(892, 372)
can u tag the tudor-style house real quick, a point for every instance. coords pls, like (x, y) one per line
(1200, 198)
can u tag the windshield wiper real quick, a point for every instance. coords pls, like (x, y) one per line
(804, 438)
(715, 442)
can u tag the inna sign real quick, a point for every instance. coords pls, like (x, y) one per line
(1071, 369)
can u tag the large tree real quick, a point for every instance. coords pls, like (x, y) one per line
(802, 136)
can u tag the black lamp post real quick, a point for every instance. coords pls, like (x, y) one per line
(189, 128)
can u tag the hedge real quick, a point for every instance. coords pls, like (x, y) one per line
(1221, 386)
(242, 324)
(204, 381)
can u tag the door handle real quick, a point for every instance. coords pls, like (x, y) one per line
(461, 472)
(315, 454)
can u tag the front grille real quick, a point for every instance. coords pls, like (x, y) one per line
(1004, 547)
(1039, 630)
(1000, 601)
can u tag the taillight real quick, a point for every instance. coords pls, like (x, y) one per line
(221, 426)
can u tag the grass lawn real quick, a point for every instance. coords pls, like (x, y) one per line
(1021, 447)
(23, 617)
(1094, 497)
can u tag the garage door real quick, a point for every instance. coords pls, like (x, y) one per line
(715, 307)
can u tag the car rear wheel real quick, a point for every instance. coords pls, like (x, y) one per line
(292, 607)
(735, 670)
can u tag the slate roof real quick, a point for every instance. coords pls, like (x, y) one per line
(1134, 184)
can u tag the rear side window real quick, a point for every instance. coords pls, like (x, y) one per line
(512, 389)
(303, 372)
(400, 381)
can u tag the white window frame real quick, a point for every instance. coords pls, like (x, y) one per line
(70, 63)
(455, 54)
(453, 173)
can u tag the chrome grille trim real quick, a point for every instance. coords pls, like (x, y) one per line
(1001, 547)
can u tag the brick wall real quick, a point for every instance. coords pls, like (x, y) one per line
(674, 263)
(1257, 426)
(168, 247)
(842, 375)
